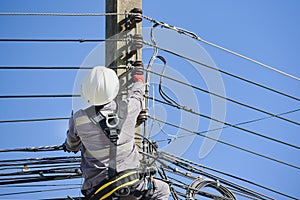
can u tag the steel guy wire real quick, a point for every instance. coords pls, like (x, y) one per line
(226, 143)
(196, 37)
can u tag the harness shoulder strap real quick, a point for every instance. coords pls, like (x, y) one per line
(111, 124)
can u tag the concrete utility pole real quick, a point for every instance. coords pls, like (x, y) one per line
(116, 27)
(118, 53)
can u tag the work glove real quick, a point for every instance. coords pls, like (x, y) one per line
(138, 73)
(64, 146)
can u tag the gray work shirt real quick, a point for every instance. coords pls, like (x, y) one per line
(90, 139)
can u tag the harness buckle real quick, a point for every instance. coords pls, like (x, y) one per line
(112, 121)
(123, 192)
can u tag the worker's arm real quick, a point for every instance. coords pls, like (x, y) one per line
(136, 93)
(72, 142)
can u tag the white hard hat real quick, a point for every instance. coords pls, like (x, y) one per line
(100, 86)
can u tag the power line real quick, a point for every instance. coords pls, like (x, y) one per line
(170, 78)
(242, 123)
(226, 123)
(52, 67)
(53, 40)
(65, 14)
(38, 191)
(195, 36)
(186, 166)
(221, 71)
(34, 120)
(58, 40)
(222, 97)
(34, 149)
(42, 68)
(225, 143)
(39, 96)
(224, 173)
(163, 24)
(179, 160)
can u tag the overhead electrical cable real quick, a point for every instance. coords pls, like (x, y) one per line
(64, 14)
(39, 96)
(221, 71)
(226, 143)
(34, 120)
(33, 149)
(164, 95)
(67, 118)
(227, 124)
(226, 98)
(51, 40)
(163, 24)
(52, 67)
(43, 67)
(38, 191)
(172, 156)
(192, 169)
(162, 155)
(195, 36)
(237, 124)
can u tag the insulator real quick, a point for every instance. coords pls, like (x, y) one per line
(138, 15)
(143, 116)
(137, 42)
(138, 63)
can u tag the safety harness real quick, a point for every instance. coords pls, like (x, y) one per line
(124, 183)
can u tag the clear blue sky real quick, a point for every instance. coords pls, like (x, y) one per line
(265, 30)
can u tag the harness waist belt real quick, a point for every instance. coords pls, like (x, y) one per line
(122, 180)
(104, 153)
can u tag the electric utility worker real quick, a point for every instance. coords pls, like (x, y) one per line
(104, 133)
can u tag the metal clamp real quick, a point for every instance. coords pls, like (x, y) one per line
(138, 15)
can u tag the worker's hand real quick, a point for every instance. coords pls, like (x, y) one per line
(64, 146)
